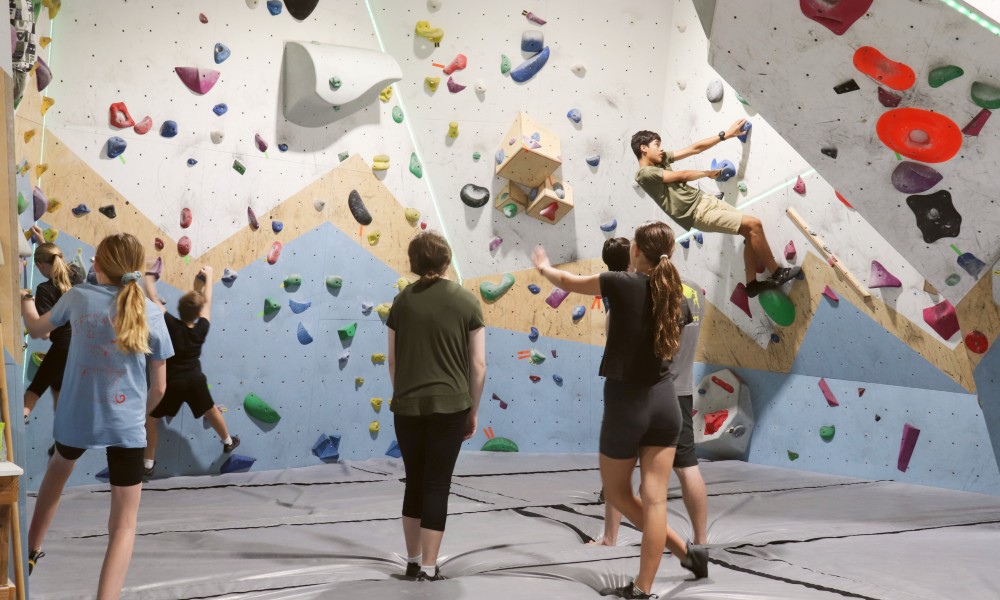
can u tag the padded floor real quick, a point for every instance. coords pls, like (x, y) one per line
(518, 525)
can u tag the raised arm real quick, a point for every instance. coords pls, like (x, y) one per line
(206, 277)
(37, 326)
(700, 146)
(580, 284)
(149, 284)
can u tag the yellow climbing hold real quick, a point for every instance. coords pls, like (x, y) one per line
(46, 104)
(37, 358)
(373, 238)
(378, 359)
(44, 41)
(453, 129)
(50, 235)
(28, 135)
(380, 162)
(412, 216)
(53, 205)
(385, 94)
(432, 83)
(377, 404)
(431, 34)
(383, 309)
(359, 381)
(24, 168)
(53, 6)
(401, 283)
(374, 427)
(41, 168)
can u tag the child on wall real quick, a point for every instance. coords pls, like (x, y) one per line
(691, 208)
(186, 383)
(118, 340)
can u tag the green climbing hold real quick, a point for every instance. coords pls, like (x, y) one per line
(293, 280)
(499, 444)
(510, 210)
(742, 186)
(953, 279)
(335, 83)
(778, 307)
(343, 156)
(397, 114)
(827, 432)
(347, 332)
(535, 357)
(491, 292)
(986, 95)
(334, 282)
(476, 156)
(741, 98)
(271, 306)
(22, 204)
(793, 455)
(942, 75)
(504, 64)
(260, 410)
(415, 167)
(238, 166)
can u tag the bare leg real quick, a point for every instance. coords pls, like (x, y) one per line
(695, 501)
(30, 399)
(411, 533)
(121, 539)
(612, 520)
(152, 436)
(749, 263)
(753, 230)
(430, 545)
(214, 418)
(49, 494)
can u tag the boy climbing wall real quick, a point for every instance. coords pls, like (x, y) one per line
(690, 208)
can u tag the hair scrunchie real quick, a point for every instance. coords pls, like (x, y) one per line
(130, 277)
(666, 256)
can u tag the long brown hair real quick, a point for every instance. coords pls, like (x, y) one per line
(655, 240)
(119, 255)
(50, 254)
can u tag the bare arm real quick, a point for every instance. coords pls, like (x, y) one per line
(149, 284)
(686, 176)
(206, 311)
(477, 377)
(157, 383)
(581, 284)
(37, 326)
(392, 358)
(700, 146)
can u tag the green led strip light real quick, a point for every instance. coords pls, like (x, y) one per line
(973, 16)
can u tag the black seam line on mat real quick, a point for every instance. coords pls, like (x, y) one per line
(491, 492)
(814, 586)
(570, 509)
(579, 532)
(247, 486)
(529, 472)
(789, 489)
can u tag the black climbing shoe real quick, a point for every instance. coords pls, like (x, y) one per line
(412, 570)
(148, 473)
(697, 561)
(630, 591)
(784, 274)
(437, 576)
(52, 450)
(33, 557)
(757, 286)
(227, 448)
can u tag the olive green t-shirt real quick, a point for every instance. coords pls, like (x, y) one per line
(676, 199)
(432, 321)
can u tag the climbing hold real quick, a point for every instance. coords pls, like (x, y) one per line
(790, 250)
(41, 168)
(119, 116)
(217, 137)
(740, 298)
(977, 123)
(236, 463)
(229, 276)
(535, 357)
(192, 162)
(376, 404)
(221, 53)
(495, 243)
(412, 216)
(50, 234)
(746, 132)
(334, 282)
(459, 63)
(558, 379)
(715, 420)
(742, 186)
(685, 243)
(256, 407)
(888, 99)
(919, 134)
(831, 152)
(260, 142)
(609, 226)
(836, 15)
(202, 18)
(116, 146)
(556, 297)
(298, 307)
(239, 167)
(292, 282)
(529, 68)
(500, 156)
(397, 114)
(847, 86)
(431, 34)
(39, 203)
(778, 307)
(378, 358)
(474, 196)
(380, 162)
(300, 9)
(503, 405)
(828, 393)
(509, 210)
(800, 186)
(977, 342)
(534, 289)
(453, 129)
(476, 156)
(775, 338)
(327, 447)
(47, 104)
(491, 292)
(890, 73)
(826, 432)
(578, 69)
(358, 208)
(499, 444)
(158, 244)
(942, 319)
(985, 95)
(715, 91)
(906, 446)
(829, 293)
(373, 237)
(277, 226)
(252, 219)
(968, 261)
(534, 378)
(386, 93)
(574, 115)
(480, 86)
(319, 205)
(274, 7)
(727, 168)
(199, 81)
(504, 64)
(793, 455)
(28, 135)
(942, 75)
(43, 74)
(343, 358)
(914, 178)
(347, 331)
(593, 160)
(274, 253)
(432, 83)
(335, 83)
(532, 41)
(454, 87)
(533, 335)
(842, 199)
(880, 277)
(168, 129)
(359, 381)
(186, 218)
(578, 312)
(936, 215)
(533, 17)
(383, 310)
(80, 210)
(303, 336)
(271, 306)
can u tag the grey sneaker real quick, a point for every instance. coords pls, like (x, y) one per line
(696, 561)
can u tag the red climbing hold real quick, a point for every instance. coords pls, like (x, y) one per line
(888, 72)
(202, 18)
(184, 246)
(942, 319)
(722, 384)
(844, 200)
(739, 298)
(143, 126)
(837, 16)
(977, 123)
(888, 99)
(977, 342)
(534, 378)
(119, 116)
(274, 253)
(458, 64)
(158, 244)
(549, 212)
(186, 218)
(713, 421)
(199, 81)
(828, 393)
(919, 134)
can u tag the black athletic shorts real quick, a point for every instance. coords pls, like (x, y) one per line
(685, 456)
(192, 391)
(638, 415)
(50, 372)
(124, 464)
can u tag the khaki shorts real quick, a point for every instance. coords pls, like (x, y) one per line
(715, 216)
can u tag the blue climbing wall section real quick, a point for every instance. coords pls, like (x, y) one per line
(987, 375)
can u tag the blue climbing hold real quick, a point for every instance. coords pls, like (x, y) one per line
(685, 243)
(283, 147)
(220, 108)
(168, 129)
(80, 210)
(574, 115)
(237, 462)
(274, 7)
(537, 136)
(500, 156)
(578, 312)
(304, 338)
(533, 194)
(105, 473)
(229, 276)
(610, 226)
(557, 379)
(277, 226)
(594, 160)
(192, 162)
(746, 131)
(298, 307)
(533, 336)
(532, 40)
(726, 166)
(698, 237)
(394, 450)
(327, 447)
(116, 146)
(221, 53)
(529, 68)
(534, 289)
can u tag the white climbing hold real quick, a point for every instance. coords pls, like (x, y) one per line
(433, 5)
(480, 86)
(579, 69)
(714, 91)
(682, 83)
(319, 205)
(217, 137)
(682, 27)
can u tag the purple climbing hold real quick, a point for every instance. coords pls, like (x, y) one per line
(40, 203)
(221, 53)
(277, 226)
(80, 210)
(495, 243)
(199, 81)
(259, 141)
(168, 129)
(500, 156)
(453, 86)
(888, 99)
(533, 17)
(192, 162)
(283, 147)
(252, 219)
(116, 146)
(529, 68)
(977, 123)
(880, 277)
(534, 289)
(43, 74)
(556, 297)
(533, 336)
(936, 215)
(726, 167)
(578, 312)
(220, 109)
(746, 132)
(237, 462)
(914, 178)
(274, 7)
(906, 446)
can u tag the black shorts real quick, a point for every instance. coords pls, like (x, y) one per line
(50, 372)
(685, 456)
(192, 391)
(124, 464)
(637, 416)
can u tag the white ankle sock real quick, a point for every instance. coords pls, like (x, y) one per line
(414, 559)
(429, 569)
(228, 440)
(148, 463)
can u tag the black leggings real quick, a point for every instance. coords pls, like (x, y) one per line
(124, 464)
(429, 445)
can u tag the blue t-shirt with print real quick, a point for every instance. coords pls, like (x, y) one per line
(103, 397)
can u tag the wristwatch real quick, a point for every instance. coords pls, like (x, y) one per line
(722, 136)
(28, 296)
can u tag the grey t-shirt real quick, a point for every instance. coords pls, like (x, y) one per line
(682, 366)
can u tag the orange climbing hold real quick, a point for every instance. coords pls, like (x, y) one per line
(920, 134)
(844, 200)
(888, 72)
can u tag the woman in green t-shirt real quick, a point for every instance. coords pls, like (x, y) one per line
(437, 363)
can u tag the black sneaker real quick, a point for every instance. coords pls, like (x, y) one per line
(147, 473)
(27, 418)
(757, 286)
(227, 448)
(630, 591)
(784, 274)
(437, 576)
(33, 557)
(697, 561)
(412, 570)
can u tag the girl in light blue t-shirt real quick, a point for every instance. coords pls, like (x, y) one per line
(117, 332)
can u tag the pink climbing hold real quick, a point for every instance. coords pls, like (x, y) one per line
(158, 243)
(261, 143)
(790, 250)
(119, 116)
(143, 126)
(977, 123)
(799, 187)
(202, 18)
(454, 87)
(184, 246)
(274, 253)
(198, 80)
(880, 277)
(942, 319)
(713, 421)
(186, 218)
(835, 15)
(828, 393)
(906, 446)
(739, 298)
(533, 17)
(829, 293)
(458, 64)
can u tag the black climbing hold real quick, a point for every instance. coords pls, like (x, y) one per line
(300, 9)
(358, 208)
(936, 215)
(108, 211)
(474, 196)
(878, 418)
(831, 152)
(847, 86)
